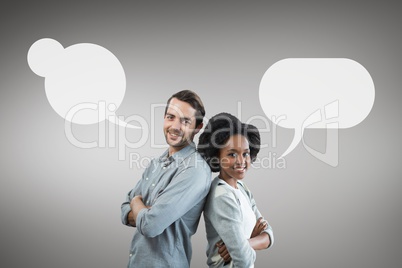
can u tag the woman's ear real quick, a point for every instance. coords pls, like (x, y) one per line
(215, 164)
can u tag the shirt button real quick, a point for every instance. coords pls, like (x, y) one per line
(131, 254)
(153, 184)
(146, 179)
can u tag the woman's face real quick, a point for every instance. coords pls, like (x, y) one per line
(234, 158)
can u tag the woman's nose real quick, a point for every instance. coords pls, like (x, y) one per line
(239, 159)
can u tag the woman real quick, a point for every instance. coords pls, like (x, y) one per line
(234, 226)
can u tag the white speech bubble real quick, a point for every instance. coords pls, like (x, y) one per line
(316, 93)
(79, 78)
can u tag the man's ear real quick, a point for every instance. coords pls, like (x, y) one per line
(198, 128)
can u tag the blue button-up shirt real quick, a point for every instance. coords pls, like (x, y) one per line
(175, 187)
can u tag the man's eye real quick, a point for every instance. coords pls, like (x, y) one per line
(232, 154)
(246, 154)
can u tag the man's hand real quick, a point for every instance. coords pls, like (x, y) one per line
(260, 225)
(136, 201)
(223, 251)
(130, 219)
(136, 205)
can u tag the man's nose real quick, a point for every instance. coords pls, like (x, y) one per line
(176, 124)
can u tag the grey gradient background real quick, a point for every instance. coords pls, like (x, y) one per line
(60, 205)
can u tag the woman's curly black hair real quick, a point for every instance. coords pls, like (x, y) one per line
(218, 130)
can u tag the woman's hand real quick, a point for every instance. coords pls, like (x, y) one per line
(259, 239)
(223, 251)
(260, 225)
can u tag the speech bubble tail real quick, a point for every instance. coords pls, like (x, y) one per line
(296, 140)
(123, 123)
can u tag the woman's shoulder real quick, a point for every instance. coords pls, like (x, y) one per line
(245, 189)
(219, 189)
(221, 198)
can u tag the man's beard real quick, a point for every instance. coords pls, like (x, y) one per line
(176, 132)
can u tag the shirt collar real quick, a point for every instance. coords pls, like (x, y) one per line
(178, 156)
(222, 182)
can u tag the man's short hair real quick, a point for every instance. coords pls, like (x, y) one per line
(194, 100)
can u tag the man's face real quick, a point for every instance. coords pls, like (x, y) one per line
(179, 125)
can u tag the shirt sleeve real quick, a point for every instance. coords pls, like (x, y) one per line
(225, 216)
(125, 206)
(186, 189)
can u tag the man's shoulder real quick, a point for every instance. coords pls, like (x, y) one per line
(195, 160)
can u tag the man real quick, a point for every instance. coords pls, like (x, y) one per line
(167, 202)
